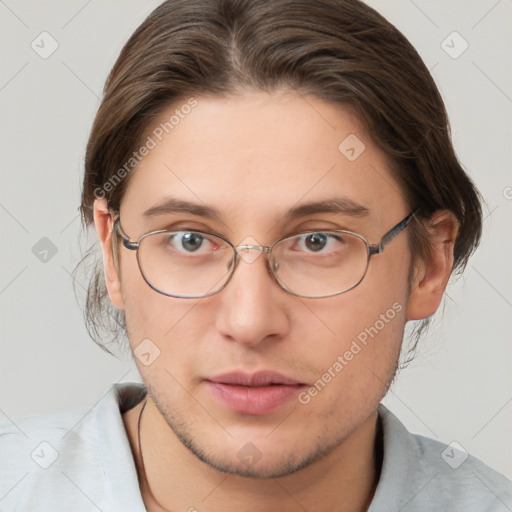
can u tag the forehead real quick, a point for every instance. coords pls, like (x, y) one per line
(256, 155)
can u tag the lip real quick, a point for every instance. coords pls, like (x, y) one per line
(257, 379)
(253, 393)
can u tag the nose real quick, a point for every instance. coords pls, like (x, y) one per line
(252, 306)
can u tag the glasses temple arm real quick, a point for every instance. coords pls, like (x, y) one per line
(126, 239)
(392, 234)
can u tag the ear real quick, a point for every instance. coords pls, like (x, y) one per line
(104, 225)
(431, 276)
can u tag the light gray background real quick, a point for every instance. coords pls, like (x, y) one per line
(458, 389)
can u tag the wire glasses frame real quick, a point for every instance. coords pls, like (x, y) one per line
(371, 250)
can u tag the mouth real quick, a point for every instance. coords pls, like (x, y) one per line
(256, 393)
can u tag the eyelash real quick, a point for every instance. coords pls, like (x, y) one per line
(187, 227)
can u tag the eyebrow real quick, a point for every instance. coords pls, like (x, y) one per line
(342, 205)
(172, 205)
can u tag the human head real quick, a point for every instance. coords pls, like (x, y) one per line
(364, 62)
(341, 53)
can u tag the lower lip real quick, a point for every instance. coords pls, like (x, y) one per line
(254, 400)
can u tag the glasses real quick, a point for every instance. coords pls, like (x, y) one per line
(191, 264)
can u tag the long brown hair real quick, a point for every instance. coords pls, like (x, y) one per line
(341, 51)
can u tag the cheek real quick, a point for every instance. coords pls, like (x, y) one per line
(164, 339)
(355, 353)
(358, 332)
(167, 322)
(355, 368)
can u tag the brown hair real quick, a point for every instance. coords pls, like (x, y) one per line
(341, 51)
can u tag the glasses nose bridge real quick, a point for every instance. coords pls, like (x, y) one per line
(248, 247)
(243, 252)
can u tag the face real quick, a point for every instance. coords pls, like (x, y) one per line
(252, 159)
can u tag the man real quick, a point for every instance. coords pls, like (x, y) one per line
(276, 196)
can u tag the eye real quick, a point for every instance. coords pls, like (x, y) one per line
(318, 241)
(190, 241)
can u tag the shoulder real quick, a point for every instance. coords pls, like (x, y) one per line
(40, 452)
(52, 461)
(460, 477)
(431, 475)
(38, 438)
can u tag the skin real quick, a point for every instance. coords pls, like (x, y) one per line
(252, 157)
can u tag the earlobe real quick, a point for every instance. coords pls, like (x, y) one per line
(432, 276)
(103, 223)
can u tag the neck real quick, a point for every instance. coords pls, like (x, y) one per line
(173, 478)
